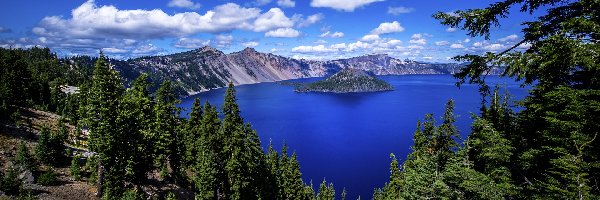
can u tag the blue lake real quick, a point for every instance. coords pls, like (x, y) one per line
(347, 138)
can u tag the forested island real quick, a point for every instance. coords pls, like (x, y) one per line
(346, 81)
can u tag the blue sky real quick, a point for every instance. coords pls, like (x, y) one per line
(311, 29)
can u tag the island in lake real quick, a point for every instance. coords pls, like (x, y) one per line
(346, 81)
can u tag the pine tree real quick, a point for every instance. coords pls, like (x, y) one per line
(101, 112)
(23, 159)
(135, 124)
(43, 150)
(166, 135)
(326, 192)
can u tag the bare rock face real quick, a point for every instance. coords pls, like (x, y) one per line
(208, 68)
(26, 177)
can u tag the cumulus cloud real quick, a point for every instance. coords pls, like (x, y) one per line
(191, 43)
(399, 10)
(388, 27)
(184, 4)
(370, 37)
(250, 44)
(418, 39)
(91, 21)
(309, 20)
(342, 5)
(450, 29)
(442, 43)
(283, 33)
(457, 46)
(494, 47)
(313, 49)
(329, 34)
(512, 37)
(274, 18)
(223, 41)
(286, 3)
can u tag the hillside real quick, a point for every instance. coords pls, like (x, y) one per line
(346, 81)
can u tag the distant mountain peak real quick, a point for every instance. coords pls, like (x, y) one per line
(209, 49)
(249, 50)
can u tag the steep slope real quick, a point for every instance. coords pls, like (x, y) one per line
(208, 68)
(346, 81)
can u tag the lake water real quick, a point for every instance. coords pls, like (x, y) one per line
(347, 138)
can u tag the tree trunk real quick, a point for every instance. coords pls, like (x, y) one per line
(100, 181)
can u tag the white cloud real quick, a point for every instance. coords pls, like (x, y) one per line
(184, 4)
(370, 37)
(494, 47)
(450, 29)
(191, 43)
(478, 44)
(223, 41)
(338, 46)
(467, 40)
(418, 39)
(274, 18)
(309, 20)
(399, 10)
(524, 46)
(286, 3)
(388, 27)
(283, 32)
(250, 44)
(427, 57)
(512, 37)
(328, 34)
(442, 43)
(312, 49)
(457, 46)
(415, 47)
(91, 21)
(342, 5)
(114, 50)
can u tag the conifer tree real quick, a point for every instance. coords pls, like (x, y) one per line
(166, 113)
(23, 159)
(101, 112)
(135, 123)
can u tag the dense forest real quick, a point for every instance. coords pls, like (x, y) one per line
(546, 150)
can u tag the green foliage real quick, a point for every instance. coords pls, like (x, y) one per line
(48, 178)
(75, 168)
(23, 160)
(9, 181)
(326, 192)
(133, 195)
(165, 128)
(50, 148)
(91, 166)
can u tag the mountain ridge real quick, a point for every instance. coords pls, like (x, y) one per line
(208, 68)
